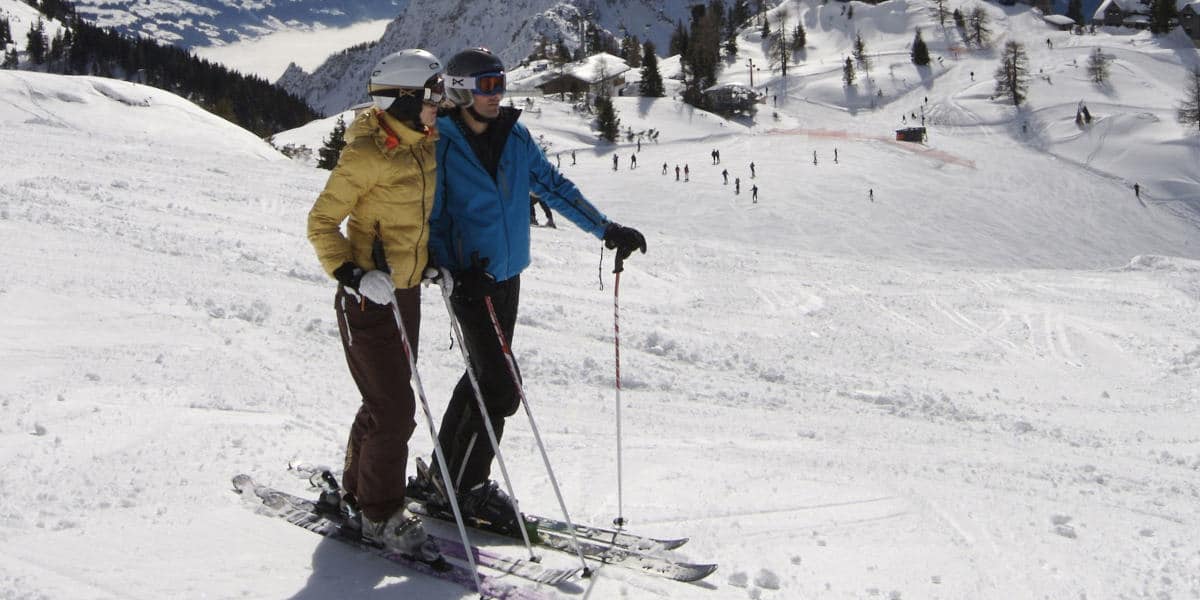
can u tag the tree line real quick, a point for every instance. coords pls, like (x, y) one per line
(82, 48)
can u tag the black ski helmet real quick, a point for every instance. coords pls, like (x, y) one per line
(469, 63)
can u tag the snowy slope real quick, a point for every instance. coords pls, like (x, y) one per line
(983, 384)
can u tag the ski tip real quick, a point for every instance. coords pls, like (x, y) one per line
(698, 572)
(673, 544)
(243, 483)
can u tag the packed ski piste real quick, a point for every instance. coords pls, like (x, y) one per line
(952, 351)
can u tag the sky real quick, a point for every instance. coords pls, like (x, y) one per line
(964, 368)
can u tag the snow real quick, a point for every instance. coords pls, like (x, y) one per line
(982, 384)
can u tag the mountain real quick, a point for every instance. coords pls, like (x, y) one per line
(189, 23)
(984, 384)
(512, 28)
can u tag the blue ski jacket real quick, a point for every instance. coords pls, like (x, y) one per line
(474, 213)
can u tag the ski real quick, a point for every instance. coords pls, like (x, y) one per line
(623, 549)
(309, 515)
(541, 524)
(595, 549)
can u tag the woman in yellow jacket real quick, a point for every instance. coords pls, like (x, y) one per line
(384, 183)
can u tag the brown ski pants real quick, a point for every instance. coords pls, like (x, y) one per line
(377, 451)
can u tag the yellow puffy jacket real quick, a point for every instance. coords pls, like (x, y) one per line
(384, 181)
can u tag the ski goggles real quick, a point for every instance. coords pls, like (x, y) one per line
(483, 84)
(433, 93)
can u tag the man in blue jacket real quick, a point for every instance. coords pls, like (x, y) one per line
(488, 164)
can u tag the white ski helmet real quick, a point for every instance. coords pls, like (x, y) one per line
(417, 72)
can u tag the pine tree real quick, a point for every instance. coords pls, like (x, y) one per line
(36, 45)
(1075, 11)
(960, 22)
(562, 54)
(779, 48)
(1189, 108)
(5, 33)
(860, 53)
(631, 51)
(332, 148)
(703, 56)
(920, 51)
(739, 13)
(678, 45)
(652, 82)
(799, 37)
(980, 33)
(10, 60)
(731, 47)
(1097, 67)
(1012, 76)
(941, 12)
(1163, 14)
(766, 28)
(848, 72)
(606, 117)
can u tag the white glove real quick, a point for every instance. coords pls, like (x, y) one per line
(440, 276)
(377, 287)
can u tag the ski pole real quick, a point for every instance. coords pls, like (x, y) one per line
(617, 268)
(415, 382)
(487, 422)
(512, 370)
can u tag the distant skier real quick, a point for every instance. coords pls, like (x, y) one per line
(687, 173)
(639, 144)
(632, 162)
(713, 154)
(534, 202)
(871, 194)
(664, 168)
(835, 160)
(558, 160)
(1137, 191)
(754, 193)
(725, 176)
(676, 172)
(572, 157)
(751, 170)
(814, 157)
(737, 186)
(616, 159)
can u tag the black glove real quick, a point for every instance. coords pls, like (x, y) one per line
(624, 240)
(349, 275)
(474, 282)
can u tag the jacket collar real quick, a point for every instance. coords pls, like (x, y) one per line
(389, 134)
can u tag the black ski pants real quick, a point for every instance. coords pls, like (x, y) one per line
(463, 435)
(377, 451)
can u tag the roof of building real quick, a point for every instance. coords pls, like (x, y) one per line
(596, 67)
(1126, 6)
(1059, 20)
